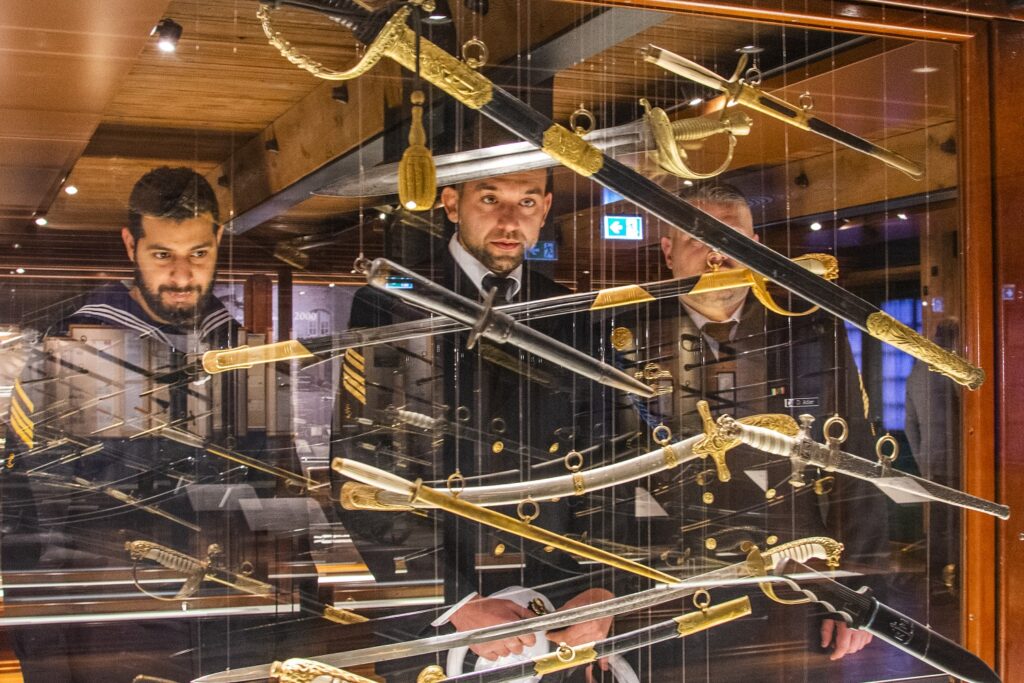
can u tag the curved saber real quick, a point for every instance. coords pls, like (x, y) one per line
(240, 357)
(514, 157)
(820, 548)
(365, 497)
(803, 451)
(399, 42)
(748, 95)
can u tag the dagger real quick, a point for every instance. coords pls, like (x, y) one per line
(499, 327)
(399, 42)
(860, 609)
(736, 574)
(324, 347)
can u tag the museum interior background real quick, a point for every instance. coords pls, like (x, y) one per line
(91, 102)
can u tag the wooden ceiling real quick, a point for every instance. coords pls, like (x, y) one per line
(89, 98)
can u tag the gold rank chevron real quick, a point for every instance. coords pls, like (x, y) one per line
(21, 408)
(354, 375)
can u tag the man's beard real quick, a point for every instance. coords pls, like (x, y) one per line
(181, 316)
(500, 265)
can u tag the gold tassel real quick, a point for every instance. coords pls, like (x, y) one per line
(417, 179)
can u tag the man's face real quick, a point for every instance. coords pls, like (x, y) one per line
(175, 263)
(499, 218)
(686, 257)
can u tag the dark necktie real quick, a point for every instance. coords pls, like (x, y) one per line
(720, 372)
(504, 286)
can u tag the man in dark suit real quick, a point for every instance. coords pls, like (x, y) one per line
(724, 347)
(505, 413)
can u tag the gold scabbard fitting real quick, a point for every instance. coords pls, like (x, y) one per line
(710, 615)
(342, 616)
(564, 657)
(886, 328)
(431, 674)
(572, 151)
(242, 357)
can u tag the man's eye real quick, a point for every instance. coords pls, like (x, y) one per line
(489, 199)
(161, 255)
(529, 203)
(200, 253)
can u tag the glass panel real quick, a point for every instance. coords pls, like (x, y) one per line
(168, 504)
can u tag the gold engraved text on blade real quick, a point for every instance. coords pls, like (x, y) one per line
(356, 496)
(342, 616)
(572, 151)
(886, 328)
(712, 616)
(437, 66)
(620, 296)
(431, 674)
(306, 671)
(562, 659)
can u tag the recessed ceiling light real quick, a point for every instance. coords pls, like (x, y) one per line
(925, 69)
(688, 183)
(41, 221)
(815, 226)
(19, 271)
(331, 285)
(71, 189)
(902, 216)
(168, 31)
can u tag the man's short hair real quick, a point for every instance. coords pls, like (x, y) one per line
(175, 193)
(714, 193)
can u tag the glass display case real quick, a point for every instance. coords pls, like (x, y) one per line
(335, 365)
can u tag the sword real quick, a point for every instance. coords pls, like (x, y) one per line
(860, 609)
(802, 451)
(736, 574)
(564, 656)
(514, 157)
(195, 570)
(325, 347)
(365, 497)
(499, 327)
(742, 92)
(400, 43)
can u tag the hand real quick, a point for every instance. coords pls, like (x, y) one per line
(847, 640)
(480, 612)
(588, 631)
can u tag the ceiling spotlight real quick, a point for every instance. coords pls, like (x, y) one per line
(167, 31)
(19, 271)
(688, 183)
(925, 69)
(441, 14)
(902, 216)
(71, 190)
(815, 226)
(40, 221)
